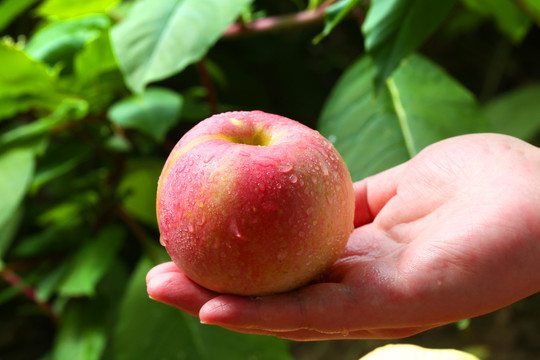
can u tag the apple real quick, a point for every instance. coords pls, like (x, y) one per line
(251, 203)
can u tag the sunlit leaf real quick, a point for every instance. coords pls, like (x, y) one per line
(395, 28)
(160, 38)
(10, 9)
(25, 83)
(16, 169)
(59, 41)
(153, 112)
(63, 9)
(419, 105)
(516, 113)
(9, 229)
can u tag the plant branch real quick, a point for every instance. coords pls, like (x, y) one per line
(527, 10)
(208, 85)
(276, 23)
(140, 234)
(16, 281)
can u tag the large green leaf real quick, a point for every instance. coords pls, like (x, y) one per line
(516, 113)
(91, 263)
(63, 9)
(395, 28)
(82, 332)
(10, 9)
(149, 330)
(419, 105)
(16, 169)
(153, 112)
(24, 83)
(510, 19)
(160, 38)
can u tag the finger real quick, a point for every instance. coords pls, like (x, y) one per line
(304, 309)
(170, 286)
(160, 269)
(372, 193)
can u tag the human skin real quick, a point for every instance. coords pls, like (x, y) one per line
(452, 234)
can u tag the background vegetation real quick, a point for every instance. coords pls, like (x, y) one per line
(94, 94)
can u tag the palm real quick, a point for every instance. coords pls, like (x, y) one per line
(438, 239)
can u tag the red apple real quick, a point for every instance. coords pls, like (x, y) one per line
(251, 203)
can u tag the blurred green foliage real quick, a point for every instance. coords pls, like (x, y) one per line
(94, 94)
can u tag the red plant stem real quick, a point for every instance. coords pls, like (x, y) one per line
(208, 85)
(275, 23)
(16, 281)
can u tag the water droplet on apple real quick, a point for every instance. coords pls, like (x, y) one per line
(285, 168)
(235, 230)
(269, 174)
(162, 241)
(190, 227)
(309, 211)
(278, 186)
(325, 169)
(345, 333)
(261, 186)
(293, 179)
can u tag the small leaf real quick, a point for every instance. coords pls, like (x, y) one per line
(394, 29)
(59, 41)
(138, 188)
(333, 16)
(62, 9)
(160, 38)
(17, 169)
(516, 113)
(509, 18)
(154, 112)
(418, 106)
(10, 9)
(91, 262)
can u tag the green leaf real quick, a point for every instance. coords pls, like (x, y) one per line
(516, 113)
(25, 84)
(82, 333)
(153, 112)
(394, 29)
(138, 189)
(91, 263)
(17, 169)
(510, 19)
(59, 41)
(150, 330)
(418, 106)
(10, 9)
(333, 16)
(160, 38)
(95, 59)
(9, 229)
(64, 9)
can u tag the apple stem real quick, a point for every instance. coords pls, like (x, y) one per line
(208, 85)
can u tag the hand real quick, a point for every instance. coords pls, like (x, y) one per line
(451, 234)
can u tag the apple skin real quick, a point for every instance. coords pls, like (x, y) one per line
(251, 203)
